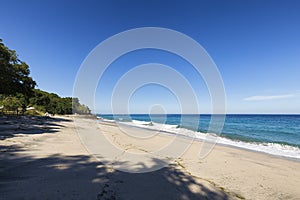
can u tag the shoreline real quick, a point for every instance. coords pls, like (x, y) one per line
(111, 123)
(264, 170)
(217, 143)
(46, 159)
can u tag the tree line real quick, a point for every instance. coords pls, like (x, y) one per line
(18, 94)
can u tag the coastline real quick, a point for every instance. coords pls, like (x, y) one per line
(48, 160)
(276, 149)
(254, 175)
(221, 144)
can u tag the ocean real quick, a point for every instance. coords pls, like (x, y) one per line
(273, 134)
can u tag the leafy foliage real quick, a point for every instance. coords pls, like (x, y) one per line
(17, 90)
(53, 104)
(14, 74)
(80, 108)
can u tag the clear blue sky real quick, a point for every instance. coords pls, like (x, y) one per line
(255, 44)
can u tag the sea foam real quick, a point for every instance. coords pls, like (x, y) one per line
(269, 148)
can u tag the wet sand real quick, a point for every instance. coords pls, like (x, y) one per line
(48, 158)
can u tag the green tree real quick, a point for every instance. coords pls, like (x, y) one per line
(17, 89)
(80, 108)
(54, 104)
(23, 101)
(12, 104)
(14, 73)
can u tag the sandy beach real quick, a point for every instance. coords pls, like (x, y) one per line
(48, 158)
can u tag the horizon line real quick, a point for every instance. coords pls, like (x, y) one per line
(197, 114)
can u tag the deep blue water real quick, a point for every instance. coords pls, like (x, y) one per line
(281, 129)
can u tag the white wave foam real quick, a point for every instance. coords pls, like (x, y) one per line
(105, 120)
(151, 125)
(270, 148)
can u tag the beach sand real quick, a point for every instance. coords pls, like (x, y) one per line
(55, 158)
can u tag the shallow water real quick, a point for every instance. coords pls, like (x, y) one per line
(274, 134)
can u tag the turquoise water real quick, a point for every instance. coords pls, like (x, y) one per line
(262, 130)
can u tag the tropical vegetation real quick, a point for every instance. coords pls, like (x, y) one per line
(18, 93)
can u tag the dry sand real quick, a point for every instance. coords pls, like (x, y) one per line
(49, 159)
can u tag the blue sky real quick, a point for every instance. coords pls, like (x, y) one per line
(255, 45)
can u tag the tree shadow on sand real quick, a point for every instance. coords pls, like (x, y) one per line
(169, 182)
(12, 125)
(81, 177)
